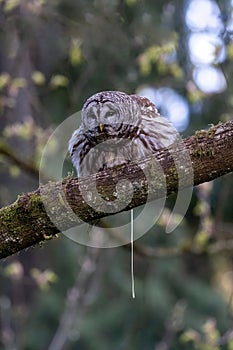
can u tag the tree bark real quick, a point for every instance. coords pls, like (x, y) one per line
(57, 206)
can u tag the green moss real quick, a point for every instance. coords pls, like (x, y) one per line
(206, 152)
(206, 137)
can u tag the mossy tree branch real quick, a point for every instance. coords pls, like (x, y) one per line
(26, 222)
(27, 167)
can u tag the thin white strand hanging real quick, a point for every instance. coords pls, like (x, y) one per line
(132, 254)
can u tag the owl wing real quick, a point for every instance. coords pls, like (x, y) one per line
(160, 132)
(146, 106)
(79, 147)
(155, 131)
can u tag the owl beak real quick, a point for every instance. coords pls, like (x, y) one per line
(101, 127)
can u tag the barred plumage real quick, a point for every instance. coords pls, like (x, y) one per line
(117, 128)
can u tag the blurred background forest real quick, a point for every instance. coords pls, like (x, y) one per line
(64, 295)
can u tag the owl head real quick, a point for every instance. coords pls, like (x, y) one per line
(108, 114)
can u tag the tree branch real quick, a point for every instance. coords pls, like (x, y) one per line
(26, 222)
(8, 153)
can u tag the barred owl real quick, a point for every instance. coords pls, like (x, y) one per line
(117, 128)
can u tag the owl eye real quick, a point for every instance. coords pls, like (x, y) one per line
(110, 114)
(91, 116)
